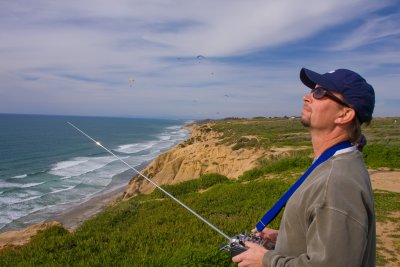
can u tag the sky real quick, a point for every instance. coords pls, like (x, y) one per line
(189, 59)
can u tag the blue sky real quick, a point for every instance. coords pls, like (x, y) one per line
(77, 57)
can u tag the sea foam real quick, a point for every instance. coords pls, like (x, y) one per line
(30, 197)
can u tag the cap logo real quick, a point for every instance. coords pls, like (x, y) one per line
(332, 71)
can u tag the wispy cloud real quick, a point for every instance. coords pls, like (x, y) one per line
(75, 57)
(373, 30)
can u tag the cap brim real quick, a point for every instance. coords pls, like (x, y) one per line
(311, 79)
(305, 79)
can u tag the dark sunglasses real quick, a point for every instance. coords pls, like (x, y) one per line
(320, 92)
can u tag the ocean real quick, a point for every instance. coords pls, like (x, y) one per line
(47, 166)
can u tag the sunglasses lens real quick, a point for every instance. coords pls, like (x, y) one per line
(318, 93)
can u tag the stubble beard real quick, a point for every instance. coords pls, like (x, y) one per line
(305, 120)
(305, 117)
(306, 123)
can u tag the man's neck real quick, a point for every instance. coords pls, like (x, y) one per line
(323, 142)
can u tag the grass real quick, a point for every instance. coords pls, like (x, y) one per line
(279, 132)
(276, 132)
(152, 230)
(382, 155)
(383, 131)
(146, 231)
(386, 204)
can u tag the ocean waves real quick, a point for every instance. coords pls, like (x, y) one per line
(27, 198)
(80, 166)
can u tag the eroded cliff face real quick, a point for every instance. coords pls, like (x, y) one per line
(201, 154)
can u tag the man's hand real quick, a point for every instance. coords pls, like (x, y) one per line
(252, 256)
(267, 234)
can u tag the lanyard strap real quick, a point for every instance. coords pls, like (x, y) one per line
(276, 208)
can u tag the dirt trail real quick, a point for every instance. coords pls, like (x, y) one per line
(386, 231)
(385, 180)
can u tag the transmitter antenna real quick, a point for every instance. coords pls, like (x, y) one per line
(156, 185)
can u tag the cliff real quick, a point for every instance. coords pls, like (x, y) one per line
(200, 154)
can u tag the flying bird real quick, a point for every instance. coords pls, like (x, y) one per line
(131, 81)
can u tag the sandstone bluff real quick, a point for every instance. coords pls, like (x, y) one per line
(201, 154)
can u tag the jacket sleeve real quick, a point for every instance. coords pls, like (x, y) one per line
(333, 239)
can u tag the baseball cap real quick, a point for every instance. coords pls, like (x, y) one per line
(354, 88)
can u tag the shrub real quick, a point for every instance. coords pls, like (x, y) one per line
(204, 182)
(378, 155)
(296, 164)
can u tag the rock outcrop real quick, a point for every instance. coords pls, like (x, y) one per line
(201, 154)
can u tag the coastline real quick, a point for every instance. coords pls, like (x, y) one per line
(50, 173)
(72, 217)
(69, 219)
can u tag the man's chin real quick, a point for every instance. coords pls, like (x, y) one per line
(305, 122)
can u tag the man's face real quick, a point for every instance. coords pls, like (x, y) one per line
(319, 113)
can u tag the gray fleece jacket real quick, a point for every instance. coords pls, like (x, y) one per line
(330, 219)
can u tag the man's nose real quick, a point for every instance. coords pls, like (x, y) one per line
(307, 97)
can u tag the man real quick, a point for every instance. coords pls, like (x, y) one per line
(330, 218)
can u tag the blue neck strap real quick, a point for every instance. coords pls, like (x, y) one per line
(276, 208)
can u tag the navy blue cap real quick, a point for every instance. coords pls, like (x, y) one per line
(354, 88)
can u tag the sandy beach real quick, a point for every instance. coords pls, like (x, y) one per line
(73, 217)
(70, 218)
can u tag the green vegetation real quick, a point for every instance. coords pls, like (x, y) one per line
(385, 204)
(202, 183)
(152, 230)
(387, 209)
(383, 147)
(383, 131)
(147, 231)
(276, 132)
(378, 155)
(283, 165)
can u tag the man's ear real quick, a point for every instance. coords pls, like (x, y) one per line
(346, 115)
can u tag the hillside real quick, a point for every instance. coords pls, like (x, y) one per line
(202, 153)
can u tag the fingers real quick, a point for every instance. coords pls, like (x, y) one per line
(241, 257)
(252, 256)
(238, 258)
(251, 245)
(269, 234)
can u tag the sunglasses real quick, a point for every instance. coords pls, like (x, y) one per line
(320, 92)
